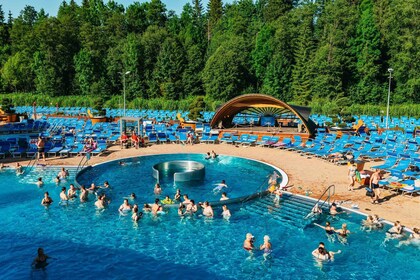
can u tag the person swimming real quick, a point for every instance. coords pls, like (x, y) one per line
(147, 208)
(220, 186)
(414, 238)
(267, 247)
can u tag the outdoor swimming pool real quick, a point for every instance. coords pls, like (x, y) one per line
(91, 244)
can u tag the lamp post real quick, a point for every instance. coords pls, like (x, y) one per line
(390, 70)
(124, 74)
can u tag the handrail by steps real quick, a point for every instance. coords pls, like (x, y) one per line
(331, 192)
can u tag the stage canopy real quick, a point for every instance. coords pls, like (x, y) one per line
(267, 108)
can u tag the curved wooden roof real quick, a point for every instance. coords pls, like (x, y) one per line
(227, 112)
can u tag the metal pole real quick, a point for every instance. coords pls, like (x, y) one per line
(124, 92)
(389, 95)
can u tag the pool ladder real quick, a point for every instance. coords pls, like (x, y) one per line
(330, 191)
(30, 164)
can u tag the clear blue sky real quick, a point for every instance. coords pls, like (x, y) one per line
(51, 6)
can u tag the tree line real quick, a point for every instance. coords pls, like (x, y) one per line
(298, 51)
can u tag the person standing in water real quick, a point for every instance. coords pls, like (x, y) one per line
(266, 246)
(41, 259)
(249, 243)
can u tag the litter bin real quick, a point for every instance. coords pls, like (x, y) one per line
(360, 165)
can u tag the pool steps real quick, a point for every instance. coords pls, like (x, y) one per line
(291, 210)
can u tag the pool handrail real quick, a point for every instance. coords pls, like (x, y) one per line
(31, 164)
(330, 193)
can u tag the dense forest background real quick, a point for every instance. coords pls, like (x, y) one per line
(334, 52)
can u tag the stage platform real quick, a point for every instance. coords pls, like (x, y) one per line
(282, 132)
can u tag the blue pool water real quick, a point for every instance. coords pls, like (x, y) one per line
(242, 176)
(88, 244)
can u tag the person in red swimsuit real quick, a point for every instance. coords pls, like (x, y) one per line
(124, 140)
(135, 140)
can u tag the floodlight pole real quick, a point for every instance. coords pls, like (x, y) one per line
(124, 74)
(390, 70)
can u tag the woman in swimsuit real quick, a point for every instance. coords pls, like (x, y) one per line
(177, 196)
(266, 246)
(207, 210)
(181, 210)
(158, 189)
(352, 175)
(329, 230)
(226, 213)
(343, 233)
(41, 259)
(47, 200)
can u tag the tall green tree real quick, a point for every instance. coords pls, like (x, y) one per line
(367, 48)
(273, 9)
(225, 73)
(169, 69)
(304, 47)
(215, 13)
(332, 59)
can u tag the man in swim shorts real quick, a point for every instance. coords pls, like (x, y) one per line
(41, 148)
(249, 243)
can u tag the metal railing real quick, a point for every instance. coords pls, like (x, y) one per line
(82, 163)
(330, 191)
(259, 191)
(31, 164)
